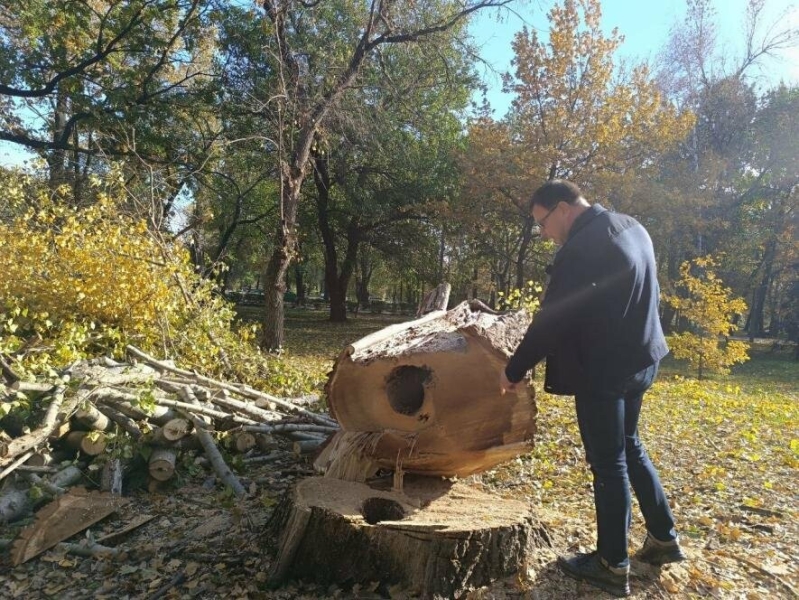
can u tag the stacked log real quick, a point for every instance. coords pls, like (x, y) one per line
(170, 410)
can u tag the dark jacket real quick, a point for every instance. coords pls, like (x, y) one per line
(598, 323)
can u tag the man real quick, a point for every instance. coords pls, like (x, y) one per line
(599, 330)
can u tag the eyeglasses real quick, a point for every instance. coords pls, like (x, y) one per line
(542, 223)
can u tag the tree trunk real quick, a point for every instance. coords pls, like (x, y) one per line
(755, 322)
(524, 245)
(299, 276)
(57, 159)
(336, 282)
(435, 539)
(364, 278)
(274, 290)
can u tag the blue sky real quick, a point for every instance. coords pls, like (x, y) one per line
(645, 25)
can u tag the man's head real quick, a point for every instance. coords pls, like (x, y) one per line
(555, 206)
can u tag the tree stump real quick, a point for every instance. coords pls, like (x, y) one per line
(434, 539)
(424, 397)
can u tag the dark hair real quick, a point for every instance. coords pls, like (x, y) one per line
(554, 191)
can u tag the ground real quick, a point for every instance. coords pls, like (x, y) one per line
(727, 450)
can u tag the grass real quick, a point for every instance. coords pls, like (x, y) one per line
(727, 449)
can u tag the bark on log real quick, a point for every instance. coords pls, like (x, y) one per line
(31, 387)
(127, 404)
(215, 457)
(205, 411)
(306, 446)
(161, 465)
(90, 418)
(425, 396)
(127, 424)
(434, 300)
(289, 427)
(57, 412)
(16, 503)
(243, 390)
(111, 478)
(437, 539)
(15, 464)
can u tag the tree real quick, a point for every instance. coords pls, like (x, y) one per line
(717, 192)
(311, 79)
(576, 114)
(711, 311)
(104, 79)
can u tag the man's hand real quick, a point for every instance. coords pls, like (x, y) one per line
(505, 385)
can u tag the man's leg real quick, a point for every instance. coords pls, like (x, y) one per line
(602, 427)
(644, 478)
(661, 545)
(601, 421)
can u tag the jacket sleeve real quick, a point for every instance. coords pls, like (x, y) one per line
(556, 317)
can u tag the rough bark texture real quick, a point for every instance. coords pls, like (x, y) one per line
(436, 539)
(425, 396)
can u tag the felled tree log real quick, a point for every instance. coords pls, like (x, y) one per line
(437, 539)
(91, 443)
(172, 431)
(90, 418)
(111, 478)
(57, 413)
(242, 441)
(17, 502)
(425, 396)
(161, 464)
(215, 457)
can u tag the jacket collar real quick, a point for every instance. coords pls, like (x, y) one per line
(585, 218)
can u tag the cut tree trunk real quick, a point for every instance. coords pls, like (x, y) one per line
(436, 539)
(90, 418)
(162, 463)
(424, 396)
(242, 441)
(91, 443)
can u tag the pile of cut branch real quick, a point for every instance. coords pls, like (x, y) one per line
(163, 410)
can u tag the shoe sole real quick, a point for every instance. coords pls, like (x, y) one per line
(665, 561)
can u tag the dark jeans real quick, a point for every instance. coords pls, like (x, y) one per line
(608, 421)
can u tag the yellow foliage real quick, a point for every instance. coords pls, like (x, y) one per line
(76, 282)
(528, 297)
(708, 305)
(576, 114)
